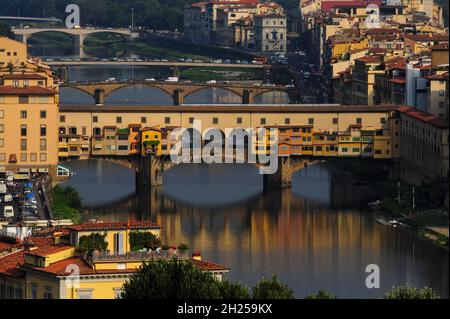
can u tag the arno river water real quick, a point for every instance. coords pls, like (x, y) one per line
(316, 235)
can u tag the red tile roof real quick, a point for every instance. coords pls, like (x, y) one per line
(398, 80)
(31, 90)
(426, 37)
(370, 59)
(44, 251)
(423, 116)
(209, 266)
(59, 268)
(440, 77)
(24, 76)
(114, 225)
(9, 263)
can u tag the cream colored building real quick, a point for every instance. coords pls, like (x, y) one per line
(270, 33)
(28, 112)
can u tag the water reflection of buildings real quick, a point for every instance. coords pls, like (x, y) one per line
(309, 244)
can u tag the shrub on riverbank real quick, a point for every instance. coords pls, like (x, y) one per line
(405, 292)
(66, 203)
(181, 279)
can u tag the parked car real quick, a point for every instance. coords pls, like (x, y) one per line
(8, 211)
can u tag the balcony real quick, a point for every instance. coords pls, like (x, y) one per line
(138, 256)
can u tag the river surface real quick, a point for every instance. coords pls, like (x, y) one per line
(315, 235)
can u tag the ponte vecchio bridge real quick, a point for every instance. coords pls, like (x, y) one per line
(317, 132)
(179, 90)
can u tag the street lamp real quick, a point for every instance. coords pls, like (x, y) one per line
(132, 19)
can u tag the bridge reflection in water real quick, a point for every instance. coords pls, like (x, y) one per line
(312, 244)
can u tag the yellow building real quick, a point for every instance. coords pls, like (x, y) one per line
(12, 53)
(50, 267)
(151, 141)
(28, 112)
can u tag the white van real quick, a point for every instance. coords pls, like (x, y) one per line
(8, 211)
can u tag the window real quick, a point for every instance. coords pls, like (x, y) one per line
(43, 144)
(383, 120)
(2, 114)
(143, 119)
(191, 120)
(287, 121)
(43, 157)
(84, 130)
(441, 105)
(167, 120)
(2, 159)
(43, 114)
(72, 130)
(2, 128)
(23, 157)
(441, 92)
(33, 157)
(335, 120)
(43, 130)
(23, 114)
(355, 150)
(215, 120)
(263, 121)
(48, 292)
(23, 144)
(23, 99)
(33, 291)
(26, 83)
(23, 130)
(95, 119)
(310, 121)
(358, 120)
(239, 120)
(118, 119)
(84, 293)
(16, 83)
(344, 150)
(96, 131)
(62, 118)
(2, 142)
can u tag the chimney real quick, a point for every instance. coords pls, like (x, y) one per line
(57, 238)
(197, 256)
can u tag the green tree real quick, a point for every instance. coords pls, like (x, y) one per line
(89, 243)
(272, 289)
(321, 294)
(405, 292)
(141, 240)
(66, 203)
(233, 290)
(172, 279)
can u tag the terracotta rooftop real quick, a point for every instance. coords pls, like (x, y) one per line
(24, 76)
(423, 116)
(114, 226)
(370, 59)
(440, 77)
(9, 263)
(229, 108)
(210, 266)
(31, 90)
(398, 80)
(59, 268)
(45, 251)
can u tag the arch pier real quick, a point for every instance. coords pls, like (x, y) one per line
(150, 169)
